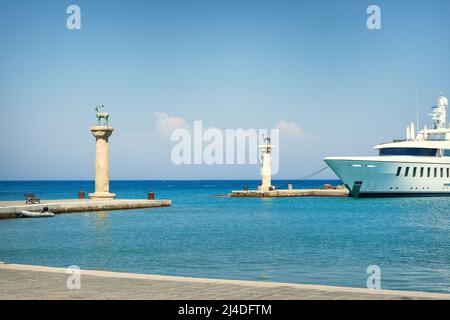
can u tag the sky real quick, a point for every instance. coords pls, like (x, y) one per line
(310, 68)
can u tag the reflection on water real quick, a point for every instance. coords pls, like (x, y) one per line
(100, 220)
(267, 202)
(98, 225)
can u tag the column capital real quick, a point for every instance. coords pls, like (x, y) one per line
(102, 132)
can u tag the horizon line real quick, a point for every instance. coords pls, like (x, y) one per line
(92, 180)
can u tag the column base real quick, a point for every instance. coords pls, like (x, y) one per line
(102, 196)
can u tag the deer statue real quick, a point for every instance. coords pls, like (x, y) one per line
(101, 115)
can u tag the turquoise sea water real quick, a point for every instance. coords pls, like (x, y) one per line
(328, 241)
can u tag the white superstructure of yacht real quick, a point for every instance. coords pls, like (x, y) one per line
(416, 166)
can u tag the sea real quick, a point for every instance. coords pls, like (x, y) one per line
(326, 241)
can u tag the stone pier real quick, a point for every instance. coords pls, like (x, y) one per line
(12, 209)
(286, 193)
(102, 134)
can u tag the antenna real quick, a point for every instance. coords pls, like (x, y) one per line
(417, 105)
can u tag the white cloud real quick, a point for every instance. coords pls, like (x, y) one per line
(289, 129)
(167, 124)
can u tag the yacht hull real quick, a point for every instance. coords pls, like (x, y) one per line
(381, 177)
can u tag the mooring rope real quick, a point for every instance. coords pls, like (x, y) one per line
(308, 176)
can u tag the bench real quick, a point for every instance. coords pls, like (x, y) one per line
(31, 198)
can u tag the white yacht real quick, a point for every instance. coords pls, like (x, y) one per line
(416, 166)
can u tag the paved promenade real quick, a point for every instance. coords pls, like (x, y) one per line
(34, 282)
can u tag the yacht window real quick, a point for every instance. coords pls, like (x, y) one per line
(406, 171)
(428, 172)
(442, 172)
(414, 171)
(435, 172)
(399, 170)
(448, 173)
(421, 172)
(425, 152)
(446, 152)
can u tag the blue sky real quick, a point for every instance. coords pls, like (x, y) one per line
(230, 63)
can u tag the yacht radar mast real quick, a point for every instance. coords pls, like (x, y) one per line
(439, 113)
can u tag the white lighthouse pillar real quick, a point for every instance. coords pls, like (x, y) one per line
(266, 178)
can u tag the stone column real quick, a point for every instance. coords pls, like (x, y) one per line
(101, 134)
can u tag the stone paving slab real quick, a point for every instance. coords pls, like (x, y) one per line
(20, 282)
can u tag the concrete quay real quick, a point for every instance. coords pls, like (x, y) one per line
(290, 193)
(11, 209)
(23, 282)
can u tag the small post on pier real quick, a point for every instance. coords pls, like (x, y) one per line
(266, 178)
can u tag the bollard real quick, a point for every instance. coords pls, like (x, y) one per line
(151, 196)
(81, 194)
